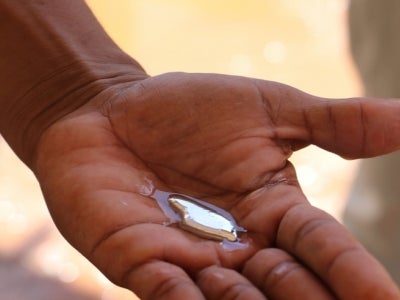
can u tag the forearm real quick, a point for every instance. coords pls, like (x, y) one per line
(54, 57)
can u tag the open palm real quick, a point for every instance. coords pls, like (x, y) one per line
(225, 140)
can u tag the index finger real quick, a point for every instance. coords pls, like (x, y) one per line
(327, 248)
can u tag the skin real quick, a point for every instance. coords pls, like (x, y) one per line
(111, 134)
(225, 140)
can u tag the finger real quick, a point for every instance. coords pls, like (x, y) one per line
(219, 283)
(328, 249)
(260, 212)
(280, 276)
(161, 280)
(355, 128)
(352, 128)
(129, 247)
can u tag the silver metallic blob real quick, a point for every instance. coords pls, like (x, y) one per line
(204, 219)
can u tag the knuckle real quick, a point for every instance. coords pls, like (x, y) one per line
(280, 273)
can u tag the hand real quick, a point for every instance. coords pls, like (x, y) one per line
(225, 140)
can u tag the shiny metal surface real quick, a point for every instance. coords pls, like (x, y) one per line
(204, 220)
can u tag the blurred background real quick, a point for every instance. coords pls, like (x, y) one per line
(302, 43)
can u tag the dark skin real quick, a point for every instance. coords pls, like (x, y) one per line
(225, 140)
(100, 134)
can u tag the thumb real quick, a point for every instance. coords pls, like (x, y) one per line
(356, 128)
(352, 128)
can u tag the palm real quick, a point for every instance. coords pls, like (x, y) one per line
(215, 137)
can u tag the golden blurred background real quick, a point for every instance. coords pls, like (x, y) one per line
(301, 43)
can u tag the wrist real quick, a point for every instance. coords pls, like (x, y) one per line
(54, 58)
(68, 90)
